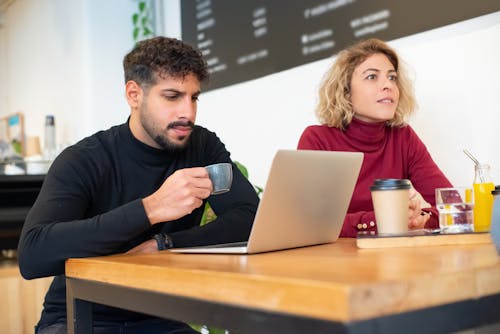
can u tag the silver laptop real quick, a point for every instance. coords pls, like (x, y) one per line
(304, 202)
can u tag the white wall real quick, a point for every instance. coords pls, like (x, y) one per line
(3, 65)
(109, 31)
(64, 57)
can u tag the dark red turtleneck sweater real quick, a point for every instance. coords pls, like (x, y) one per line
(389, 152)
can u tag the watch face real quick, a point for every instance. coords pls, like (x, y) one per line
(168, 241)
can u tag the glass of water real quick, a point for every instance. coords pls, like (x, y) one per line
(455, 206)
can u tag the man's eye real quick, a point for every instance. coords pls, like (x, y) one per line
(171, 97)
(195, 98)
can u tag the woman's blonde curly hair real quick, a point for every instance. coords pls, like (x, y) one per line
(335, 109)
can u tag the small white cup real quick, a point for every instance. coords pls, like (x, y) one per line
(221, 175)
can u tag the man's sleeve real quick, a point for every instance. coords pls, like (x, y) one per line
(57, 226)
(235, 209)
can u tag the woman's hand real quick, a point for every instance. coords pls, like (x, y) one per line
(416, 217)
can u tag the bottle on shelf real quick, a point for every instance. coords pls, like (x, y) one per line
(50, 147)
(483, 198)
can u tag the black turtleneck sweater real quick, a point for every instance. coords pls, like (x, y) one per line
(90, 205)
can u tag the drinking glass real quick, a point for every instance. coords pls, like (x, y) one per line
(455, 206)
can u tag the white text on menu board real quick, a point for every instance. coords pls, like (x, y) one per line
(206, 21)
(260, 29)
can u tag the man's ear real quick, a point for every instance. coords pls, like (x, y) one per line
(133, 93)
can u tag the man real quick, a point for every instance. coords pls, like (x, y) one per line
(136, 187)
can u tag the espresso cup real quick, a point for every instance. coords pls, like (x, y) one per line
(390, 202)
(221, 175)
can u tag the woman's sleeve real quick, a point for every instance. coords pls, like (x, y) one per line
(360, 221)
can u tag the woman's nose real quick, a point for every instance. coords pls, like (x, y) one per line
(387, 84)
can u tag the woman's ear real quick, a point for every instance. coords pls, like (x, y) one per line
(347, 93)
(133, 93)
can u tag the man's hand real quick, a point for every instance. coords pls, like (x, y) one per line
(179, 195)
(149, 246)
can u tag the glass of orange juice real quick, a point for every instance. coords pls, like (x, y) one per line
(483, 199)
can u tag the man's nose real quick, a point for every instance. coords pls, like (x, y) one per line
(188, 109)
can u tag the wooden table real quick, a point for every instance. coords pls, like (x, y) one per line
(333, 288)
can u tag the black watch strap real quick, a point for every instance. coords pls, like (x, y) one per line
(163, 240)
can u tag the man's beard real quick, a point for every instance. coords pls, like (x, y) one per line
(160, 137)
(170, 145)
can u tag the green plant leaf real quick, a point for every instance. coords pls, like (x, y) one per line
(136, 34)
(216, 331)
(211, 330)
(245, 173)
(208, 215)
(142, 6)
(258, 190)
(242, 168)
(135, 18)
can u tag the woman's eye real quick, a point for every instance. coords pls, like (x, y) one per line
(371, 76)
(393, 77)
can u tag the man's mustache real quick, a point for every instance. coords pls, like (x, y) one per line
(180, 123)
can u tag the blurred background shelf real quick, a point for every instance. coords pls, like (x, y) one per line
(17, 195)
(22, 300)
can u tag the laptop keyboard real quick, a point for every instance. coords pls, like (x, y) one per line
(230, 244)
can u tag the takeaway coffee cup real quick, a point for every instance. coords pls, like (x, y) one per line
(221, 175)
(390, 201)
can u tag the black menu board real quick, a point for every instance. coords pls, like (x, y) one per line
(246, 39)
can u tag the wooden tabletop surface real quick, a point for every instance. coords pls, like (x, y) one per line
(336, 281)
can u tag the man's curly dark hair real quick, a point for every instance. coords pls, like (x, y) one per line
(163, 57)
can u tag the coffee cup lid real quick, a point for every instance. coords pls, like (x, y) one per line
(390, 184)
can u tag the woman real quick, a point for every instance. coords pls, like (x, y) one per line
(364, 100)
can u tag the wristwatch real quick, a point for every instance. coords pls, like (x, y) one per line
(163, 240)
